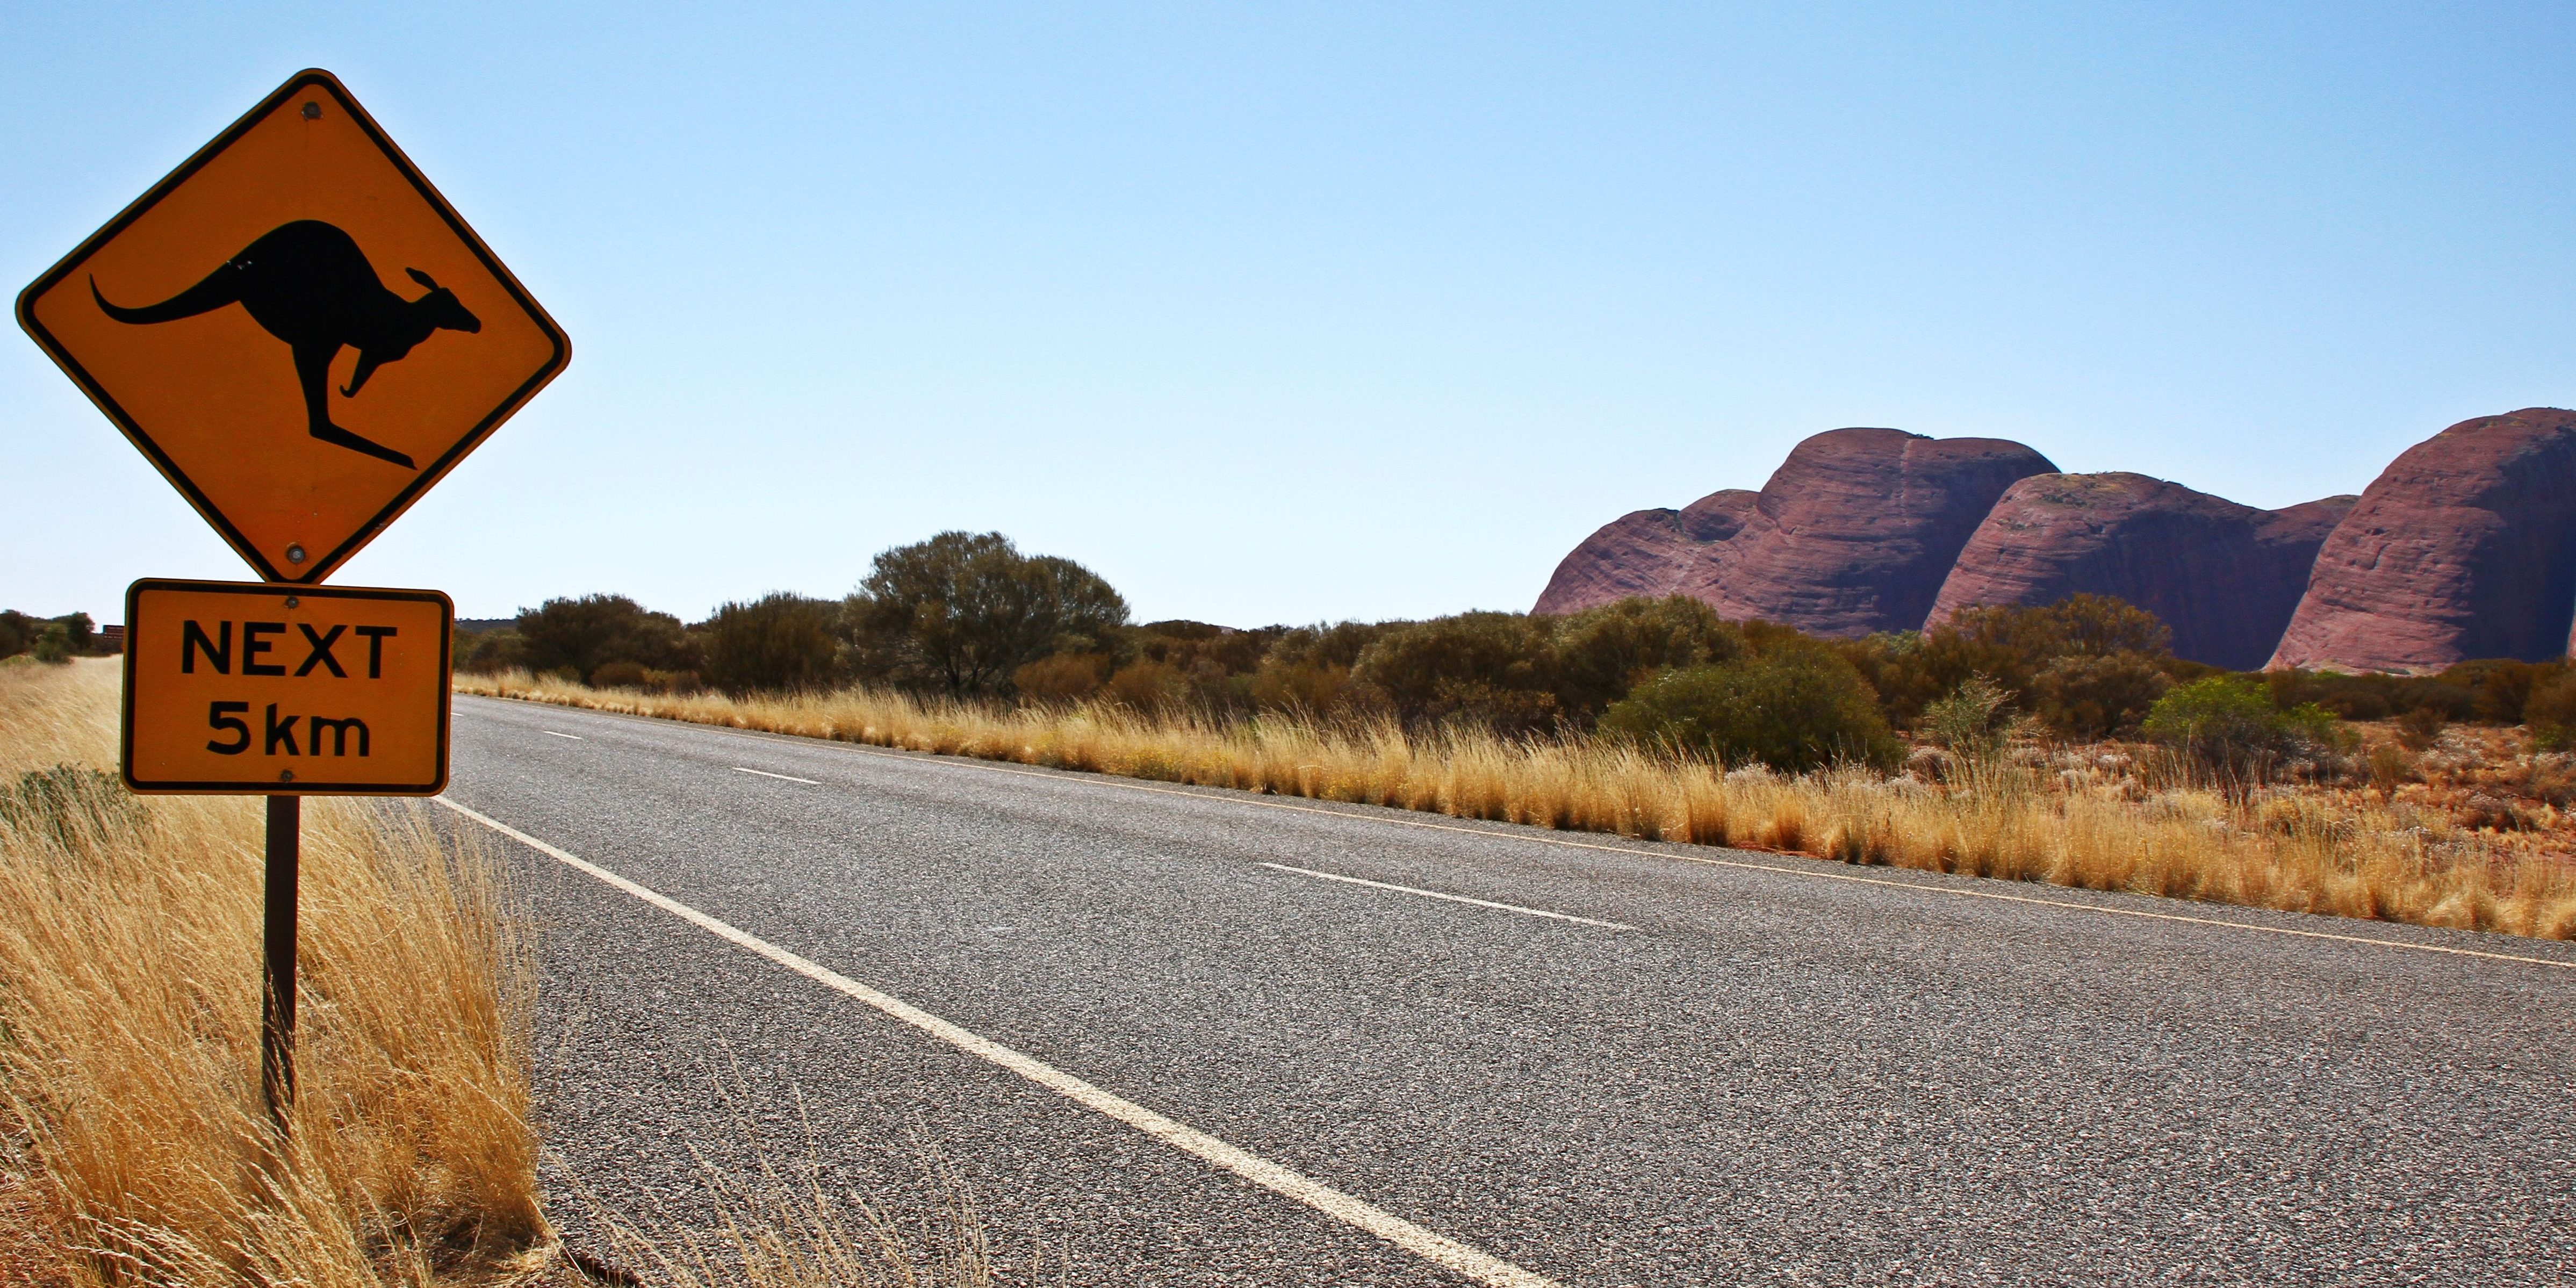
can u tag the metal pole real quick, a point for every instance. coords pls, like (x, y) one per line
(277, 994)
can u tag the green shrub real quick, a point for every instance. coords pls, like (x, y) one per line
(2230, 722)
(778, 642)
(1793, 709)
(1971, 720)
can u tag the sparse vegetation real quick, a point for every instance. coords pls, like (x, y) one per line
(133, 1146)
(2109, 818)
(2049, 743)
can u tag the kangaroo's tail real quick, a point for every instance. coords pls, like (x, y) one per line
(218, 290)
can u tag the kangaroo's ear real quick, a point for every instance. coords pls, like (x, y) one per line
(422, 278)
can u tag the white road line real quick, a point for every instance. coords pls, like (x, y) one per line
(1435, 1248)
(1535, 837)
(1109, 780)
(1453, 898)
(552, 734)
(766, 774)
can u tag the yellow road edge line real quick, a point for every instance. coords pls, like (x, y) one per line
(1435, 1248)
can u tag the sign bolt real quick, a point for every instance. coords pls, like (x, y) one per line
(313, 111)
(293, 602)
(295, 554)
(286, 775)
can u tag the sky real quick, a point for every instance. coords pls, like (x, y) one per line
(1314, 312)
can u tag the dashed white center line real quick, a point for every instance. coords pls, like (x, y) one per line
(766, 774)
(552, 734)
(1453, 898)
(1439, 1249)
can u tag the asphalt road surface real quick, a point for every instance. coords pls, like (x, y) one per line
(1756, 1070)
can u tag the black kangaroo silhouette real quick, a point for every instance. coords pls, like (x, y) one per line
(307, 283)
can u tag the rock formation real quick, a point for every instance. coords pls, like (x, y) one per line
(1854, 533)
(2225, 577)
(2464, 547)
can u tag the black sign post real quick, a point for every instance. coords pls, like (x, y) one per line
(277, 940)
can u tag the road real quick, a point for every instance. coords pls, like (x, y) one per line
(1760, 1069)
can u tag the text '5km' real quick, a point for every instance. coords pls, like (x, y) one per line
(235, 686)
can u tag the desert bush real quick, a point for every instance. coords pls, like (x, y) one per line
(2489, 690)
(2420, 728)
(1972, 720)
(2551, 712)
(1150, 686)
(2229, 722)
(1791, 709)
(1489, 669)
(618, 675)
(2388, 765)
(491, 652)
(961, 613)
(780, 641)
(1064, 677)
(1602, 653)
(2011, 644)
(1309, 669)
(53, 644)
(585, 633)
(2092, 696)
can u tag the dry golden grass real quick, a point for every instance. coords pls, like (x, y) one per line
(129, 1031)
(133, 1145)
(2070, 823)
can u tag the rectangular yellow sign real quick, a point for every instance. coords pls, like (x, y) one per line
(285, 689)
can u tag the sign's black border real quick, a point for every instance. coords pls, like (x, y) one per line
(325, 562)
(273, 590)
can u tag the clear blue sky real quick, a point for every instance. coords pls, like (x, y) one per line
(1280, 314)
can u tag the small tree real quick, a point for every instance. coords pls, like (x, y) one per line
(778, 642)
(962, 612)
(1794, 709)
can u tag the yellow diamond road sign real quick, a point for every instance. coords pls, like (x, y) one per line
(297, 329)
